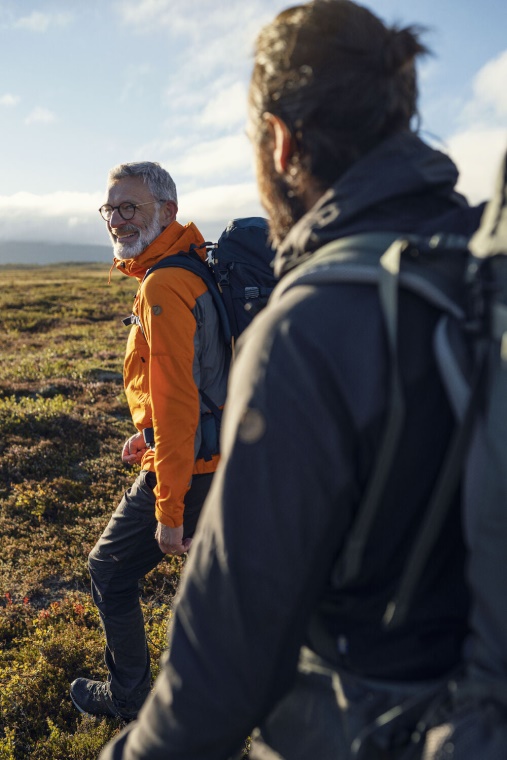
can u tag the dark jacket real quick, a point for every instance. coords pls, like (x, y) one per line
(305, 412)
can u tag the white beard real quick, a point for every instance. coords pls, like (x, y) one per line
(134, 249)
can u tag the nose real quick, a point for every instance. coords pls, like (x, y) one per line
(116, 219)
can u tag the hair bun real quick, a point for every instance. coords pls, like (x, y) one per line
(400, 48)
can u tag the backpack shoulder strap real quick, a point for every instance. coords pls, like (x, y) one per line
(370, 259)
(351, 259)
(356, 259)
(191, 261)
(377, 259)
(388, 284)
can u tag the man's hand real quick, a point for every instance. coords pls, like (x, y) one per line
(133, 449)
(171, 540)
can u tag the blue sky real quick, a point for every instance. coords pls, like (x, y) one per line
(86, 84)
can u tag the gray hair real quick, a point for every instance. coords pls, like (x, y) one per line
(160, 183)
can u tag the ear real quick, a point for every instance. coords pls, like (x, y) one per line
(168, 212)
(282, 142)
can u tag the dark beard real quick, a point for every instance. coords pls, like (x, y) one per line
(284, 207)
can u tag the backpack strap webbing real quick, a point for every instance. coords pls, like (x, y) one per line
(359, 257)
(214, 409)
(191, 261)
(356, 541)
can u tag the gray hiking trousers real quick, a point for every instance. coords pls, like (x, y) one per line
(124, 554)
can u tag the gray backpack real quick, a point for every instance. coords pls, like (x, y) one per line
(467, 282)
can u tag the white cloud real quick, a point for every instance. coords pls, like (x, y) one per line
(144, 11)
(233, 43)
(220, 202)
(479, 144)
(8, 100)
(40, 115)
(489, 87)
(61, 216)
(152, 150)
(149, 15)
(190, 162)
(212, 159)
(229, 108)
(72, 217)
(477, 153)
(52, 204)
(212, 208)
(40, 22)
(219, 33)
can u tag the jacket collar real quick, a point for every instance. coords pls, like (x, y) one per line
(398, 168)
(173, 239)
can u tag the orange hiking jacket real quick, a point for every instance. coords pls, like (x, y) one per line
(176, 349)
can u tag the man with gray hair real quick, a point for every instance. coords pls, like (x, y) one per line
(175, 359)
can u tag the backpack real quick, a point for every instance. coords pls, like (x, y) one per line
(240, 279)
(237, 272)
(467, 281)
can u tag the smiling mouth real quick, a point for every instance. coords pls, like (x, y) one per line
(126, 237)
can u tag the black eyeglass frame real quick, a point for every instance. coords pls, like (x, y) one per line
(133, 206)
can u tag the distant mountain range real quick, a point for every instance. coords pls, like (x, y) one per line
(26, 252)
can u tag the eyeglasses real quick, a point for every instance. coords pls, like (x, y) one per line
(125, 210)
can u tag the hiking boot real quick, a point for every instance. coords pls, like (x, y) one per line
(95, 698)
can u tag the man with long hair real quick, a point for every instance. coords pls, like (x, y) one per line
(268, 638)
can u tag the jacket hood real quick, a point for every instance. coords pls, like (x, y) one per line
(395, 187)
(175, 238)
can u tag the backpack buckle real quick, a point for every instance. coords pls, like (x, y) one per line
(222, 276)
